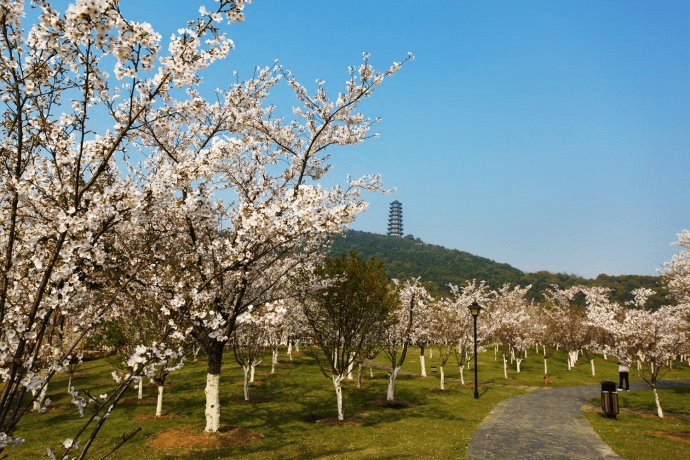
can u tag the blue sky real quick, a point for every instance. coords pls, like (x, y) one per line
(549, 135)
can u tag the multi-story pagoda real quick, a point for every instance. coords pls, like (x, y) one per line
(395, 221)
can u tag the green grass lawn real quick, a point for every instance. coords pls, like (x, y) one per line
(284, 407)
(638, 433)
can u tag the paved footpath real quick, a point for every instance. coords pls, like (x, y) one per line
(544, 424)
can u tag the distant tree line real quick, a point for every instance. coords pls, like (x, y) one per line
(438, 267)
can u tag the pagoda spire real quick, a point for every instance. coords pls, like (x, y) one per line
(395, 220)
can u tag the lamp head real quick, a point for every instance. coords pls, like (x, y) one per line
(474, 308)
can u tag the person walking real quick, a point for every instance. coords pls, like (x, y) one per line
(623, 374)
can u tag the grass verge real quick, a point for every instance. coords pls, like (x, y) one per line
(637, 432)
(285, 414)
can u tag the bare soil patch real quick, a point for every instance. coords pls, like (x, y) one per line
(335, 422)
(676, 436)
(57, 408)
(150, 417)
(395, 404)
(189, 438)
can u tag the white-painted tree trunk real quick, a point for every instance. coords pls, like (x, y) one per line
(543, 347)
(274, 360)
(359, 375)
(371, 372)
(422, 363)
(390, 396)
(518, 361)
(297, 345)
(247, 371)
(141, 388)
(69, 384)
(159, 402)
(443, 378)
(252, 371)
(605, 356)
(546, 367)
(212, 403)
(289, 350)
(505, 366)
(41, 397)
(525, 353)
(592, 361)
(431, 353)
(659, 412)
(339, 394)
(350, 367)
(462, 376)
(496, 352)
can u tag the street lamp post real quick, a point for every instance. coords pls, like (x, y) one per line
(474, 310)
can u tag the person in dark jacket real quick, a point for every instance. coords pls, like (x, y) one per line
(623, 374)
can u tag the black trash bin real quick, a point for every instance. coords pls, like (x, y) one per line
(609, 398)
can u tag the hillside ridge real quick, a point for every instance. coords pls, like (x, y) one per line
(438, 266)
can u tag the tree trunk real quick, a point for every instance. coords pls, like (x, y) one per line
(252, 372)
(518, 361)
(505, 366)
(422, 363)
(462, 375)
(339, 394)
(391, 384)
(41, 397)
(659, 412)
(443, 378)
(212, 403)
(246, 369)
(215, 361)
(159, 402)
(592, 362)
(289, 350)
(69, 384)
(140, 388)
(274, 360)
(546, 367)
(350, 367)
(359, 375)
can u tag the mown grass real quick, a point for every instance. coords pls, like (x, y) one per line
(638, 433)
(284, 406)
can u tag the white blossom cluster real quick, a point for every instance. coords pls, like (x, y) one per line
(119, 180)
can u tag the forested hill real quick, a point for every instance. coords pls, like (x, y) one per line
(437, 266)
